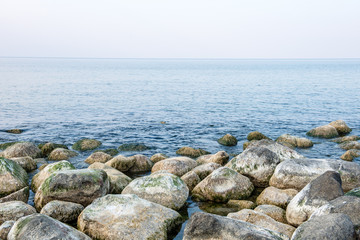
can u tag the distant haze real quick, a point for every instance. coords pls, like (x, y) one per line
(180, 29)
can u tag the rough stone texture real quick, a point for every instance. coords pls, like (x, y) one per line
(191, 179)
(346, 139)
(350, 145)
(293, 141)
(349, 155)
(86, 144)
(78, 186)
(256, 136)
(126, 216)
(205, 169)
(5, 229)
(162, 188)
(177, 165)
(241, 204)
(318, 192)
(66, 212)
(354, 192)
(118, 180)
(21, 149)
(191, 152)
(42, 227)
(334, 226)
(205, 226)
(222, 185)
(141, 164)
(121, 163)
(262, 220)
(296, 173)
(98, 157)
(158, 157)
(20, 195)
(49, 169)
(3, 146)
(272, 211)
(110, 151)
(14, 210)
(227, 140)
(12, 177)
(61, 154)
(47, 148)
(256, 163)
(220, 157)
(341, 127)
(275, 196)
(133, 147)
(27, 163)
(326, 131)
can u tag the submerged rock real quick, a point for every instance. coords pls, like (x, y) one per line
(14, 210)
(276, 197)
(326, 131)
(133, 147)
(47, 148)
(98, 157)
(346, 139)
(15, 131)
(293, 142)
(158, 157)
(27, 163)
(350, 145)
(227, 140)
(111, 151)
(256, 136)
(349, 155)
(61, 154)
(21, 149)
(220, 157)
(177, 165)
(191, 152)
(86, 144)
(66, 212)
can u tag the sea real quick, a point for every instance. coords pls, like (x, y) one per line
(170, 103)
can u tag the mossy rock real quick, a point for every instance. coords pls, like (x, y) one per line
(3, 146)
(354, 192)
(110, 151)
(191, 152)
(256, 136)
(12, 177)
(326, 131)
(132, 147)
(227, 140)
(86, 144)
(47, 148)
(15, 131)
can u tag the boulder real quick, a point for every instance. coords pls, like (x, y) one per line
(191, 152)
(336, 226)
(256, 136)
(86, 144)
(78, 186)
(205, 226)
(220, 157)
(222, 185)
(49, 169)
(121, 163)
(141, 164)
(349, 155)
(296, 173)
(318, 192)
(326, 131)
(293, 142)
(272, 211)
(118, 180)
(14, 210)
(3, 146)
(47, 148)
(21, 149)
(350, 145)
(61, 154)
(205, 169)
(241, 204)
(276, 197)
(341, 127)
(42, 227)
(27, 163)
(162, 188)
(66, 212)
(346, 139)
(176, 165)
(191, 179)
(133, 147)
(5, 229)
(227, 140)
(126, 216)
(354, 192)
(20, 195)
(158, 157)
(98, 157)
(111, 151)
(262, 220)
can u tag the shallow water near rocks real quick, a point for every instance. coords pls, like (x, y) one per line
(170, 103)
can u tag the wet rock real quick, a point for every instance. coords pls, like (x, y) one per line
(327, 227)
(346, 139)
(318, 192)
(205, 226)
(141, 164)
(341, 127)
(275, 196)
(222, 185)
(47, 148)
(15, 131)
(241, 204)
(27, 163)
(158, 157)
(61, 154)
(98, 157)
(272, 211)
(42, 227)
(21, 149)
(5, 229)
(262, 220)
(78, 186)
(326, 131)
(3, 146)
(205, 169)
(118, 180)
(14, 210)
(246, 144)
(191, 152)
(349, 155)
(49, 169)
(86, 144)
(293, 142)
(220, 157)
(111, 151)
(354, 192)
(66, 212)
(227, 140)
(133, 147)
(296, 173)
(191, 179)
(177, 165)
(162, 188)
(350, 145)
(20, 195)
(121, 163)
(127, 217)
(256, 136)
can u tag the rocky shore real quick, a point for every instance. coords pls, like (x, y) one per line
(270, 190)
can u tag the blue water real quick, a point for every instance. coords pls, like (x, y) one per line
(124, 100)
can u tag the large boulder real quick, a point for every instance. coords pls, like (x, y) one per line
(191, 179)
(86, 144)
(191, 152)
(227, 140)
(205, 226)
(121, 163)
(276, 197)
(272, 211)
(293, 141)
(66, 212)
(205, 169)
(326, 131)
(21, 149)
(27, 163)
(222, 185)
(341, 127)
(126, 216)
(141, 164)
(257, 163)
(49, 169)
(98, 157)
(78, 186)
(318, 192)
(256, 136)
(296, 173)
(176, 165)
(14, 210)
(161, 187)
(42, 227)
(61, 154)
(220, 157)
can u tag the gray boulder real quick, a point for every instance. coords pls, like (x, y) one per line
(272, 211)
(14, 210)
(220, 157)
(276, 197)
(21, 149)
(5, 229)
(191, 179)
(205, 169)
(176, 165)
(66, 212)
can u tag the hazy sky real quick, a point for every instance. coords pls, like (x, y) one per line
(180, 29)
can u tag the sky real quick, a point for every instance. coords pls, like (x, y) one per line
(180, 29)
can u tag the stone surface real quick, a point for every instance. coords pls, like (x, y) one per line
(162, 188)
(78, 186)
(354, 192)
(205, 226)
(121, 163)
(126, 216)
(141, 164)
(222, 185)
(111, 151)
(42, 227)
(14, 210)
(220, 157)
(272, 211)
(346, 139)
(241, 204)
(191, 179)
(296, 173)
(275, 196)
(318, 192)
(227, 140)
(177, 165)
(20, 195)
(12, 177)
(158, 157)
(293, 141)
(47, 148)
(205, 169)
(349, 155)
(256, 136)
(59, 154)
(3, 146)
(21, 149)
(341, 127)
(326, 131)
(191, 152)
(98, 157)
(262, 220)
(5, 229)
(133, 147)
(86, 144)
(66, 212)
(27, 163)
(350, 145)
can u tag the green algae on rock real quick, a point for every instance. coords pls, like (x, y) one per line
(191, 152)
(12, 177)
(133, 147)
(227, 140)
(86, 144)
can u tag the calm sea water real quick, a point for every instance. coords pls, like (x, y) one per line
(124, 100)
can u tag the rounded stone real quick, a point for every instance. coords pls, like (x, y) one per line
(66, 212)
(177, 165)
(86, 144)
(227, 140)
(98, 157)
(61, 154)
